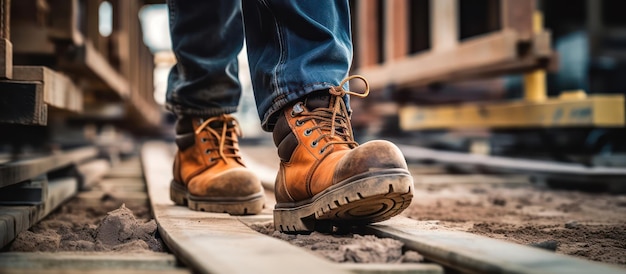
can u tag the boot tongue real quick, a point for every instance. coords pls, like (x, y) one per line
(318, 99)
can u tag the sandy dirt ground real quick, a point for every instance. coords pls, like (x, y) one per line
(113, 216)
(511, 208)
(78, 228)
(346, 248)
(587, 225)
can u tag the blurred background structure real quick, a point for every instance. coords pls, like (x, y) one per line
(492, 102)
(525, 78)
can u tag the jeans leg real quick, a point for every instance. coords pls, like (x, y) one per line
(295, 48)
(206, 36)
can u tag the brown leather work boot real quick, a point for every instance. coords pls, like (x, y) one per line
(209, 174)
(325, 177)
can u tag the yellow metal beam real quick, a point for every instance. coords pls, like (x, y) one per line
(535, 81)
(594, 110)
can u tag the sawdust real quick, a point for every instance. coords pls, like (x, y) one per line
(349, 248)
(587, 225)
(119, 231)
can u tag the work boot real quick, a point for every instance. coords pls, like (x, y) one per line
(209, 174)
(325, 178)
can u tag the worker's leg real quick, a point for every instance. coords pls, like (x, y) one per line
(206, 37)
(299, 52)
(203, 89)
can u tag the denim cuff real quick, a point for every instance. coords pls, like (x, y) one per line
(180, 111)
(275, 106)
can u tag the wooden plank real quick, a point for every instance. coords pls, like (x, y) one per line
(59, 91)
(449, 179)
(86, 260)
(216, 243)
(147, 112)
(30, 192)
(469, 253)
(368, 33)
(22, 103)
(99, 66)
(428, 67)
(87, 61)
(29, 37)
(21, 170)
(488, 55)
(99, 42)
(517, 15)
(91, 172)
(444, 25)
(20, 218)
(94, 271)
(122, 46)
(6, 48)
(64, 21)
(596, 110)
(500, 164)
(6, 59)
(396, 29)
(412, 268)
(5, 19)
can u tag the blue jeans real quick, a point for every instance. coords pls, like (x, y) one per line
(294, 48)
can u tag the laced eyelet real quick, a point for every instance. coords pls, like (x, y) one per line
(322, 150)
(308, 132)
(203, 140)
(299, 123)
(207, 151)
(297, 109)
(314, 144)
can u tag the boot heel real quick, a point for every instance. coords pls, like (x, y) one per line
(288, 221)
(253, 206)
(177, 195)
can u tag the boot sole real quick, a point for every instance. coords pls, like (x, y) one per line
(369, 199)
(248, 205)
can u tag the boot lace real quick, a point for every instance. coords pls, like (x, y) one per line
(334, 121)
(226, 138)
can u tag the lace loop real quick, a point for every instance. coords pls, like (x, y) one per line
(334, 120)
(222, 136)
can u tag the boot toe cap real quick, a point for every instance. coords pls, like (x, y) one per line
(371, 156)
(236, 182)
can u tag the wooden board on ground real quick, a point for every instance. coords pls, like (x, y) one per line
(449, 179)
(217, 243)
(469, 253)
(608, 178)
(82, 260)
(91, 172)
